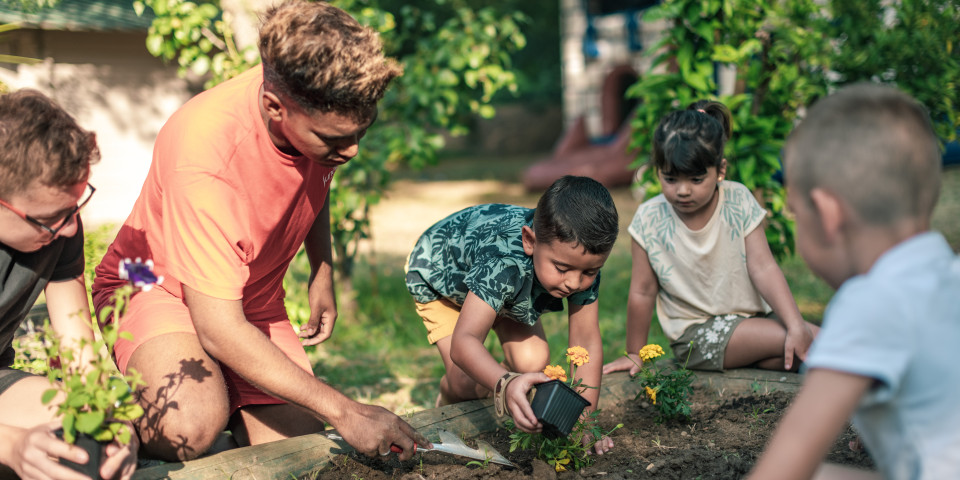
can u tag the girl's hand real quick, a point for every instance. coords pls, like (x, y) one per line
(623, 364)
(796, 344)
(602, 446)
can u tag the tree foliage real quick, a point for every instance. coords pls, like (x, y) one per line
(456, 59)
(913, 44)
(786, 54)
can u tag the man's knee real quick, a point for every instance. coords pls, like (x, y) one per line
(179, 439)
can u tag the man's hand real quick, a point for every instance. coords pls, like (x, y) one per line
(623, 364)
(519, 405)
(35, 454)
(796, 344)
(320, 326)
(372, 430)
(121, 460)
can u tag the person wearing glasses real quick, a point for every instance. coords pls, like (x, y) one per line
(238, 183)
(45, 161)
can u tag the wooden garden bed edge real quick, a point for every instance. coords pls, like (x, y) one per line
(299, 456)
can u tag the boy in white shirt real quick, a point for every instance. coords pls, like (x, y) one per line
(863, 176)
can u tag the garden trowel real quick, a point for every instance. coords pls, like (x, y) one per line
(450, 443)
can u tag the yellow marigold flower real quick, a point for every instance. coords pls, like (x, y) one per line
(578, 356)
(556, 372)
(651, 351)
(651, 394)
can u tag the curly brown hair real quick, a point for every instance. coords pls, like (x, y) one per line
(40, 141)
(322, 59)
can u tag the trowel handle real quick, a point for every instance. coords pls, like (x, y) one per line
(397, 449)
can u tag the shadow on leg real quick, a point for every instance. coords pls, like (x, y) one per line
(185, 399)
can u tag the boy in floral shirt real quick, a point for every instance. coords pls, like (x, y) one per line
(499, 267)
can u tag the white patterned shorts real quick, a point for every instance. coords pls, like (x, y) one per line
(705, 343)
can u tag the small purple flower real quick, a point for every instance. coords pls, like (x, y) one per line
(139, 273)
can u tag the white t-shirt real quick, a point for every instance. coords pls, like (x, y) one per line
(701, 273)
(900, 325)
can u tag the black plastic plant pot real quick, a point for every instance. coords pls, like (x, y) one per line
(94, 451)
(557, 407)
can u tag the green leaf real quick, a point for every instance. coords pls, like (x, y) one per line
(69, 428)
(89, 422)
(128, 412)
(48, 395)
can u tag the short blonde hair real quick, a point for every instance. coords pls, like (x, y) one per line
(40, 141)
(322, 59)
(873, 146)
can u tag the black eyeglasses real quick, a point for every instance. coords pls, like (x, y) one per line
(57, 226)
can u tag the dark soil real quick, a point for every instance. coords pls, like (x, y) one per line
(722, 439)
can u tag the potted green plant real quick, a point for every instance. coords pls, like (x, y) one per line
(97, 403)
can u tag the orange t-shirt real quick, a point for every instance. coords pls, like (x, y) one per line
(222, 209)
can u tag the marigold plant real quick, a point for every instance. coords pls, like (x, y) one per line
(578, 356)
(667, 389)
(556, 372)
(651, 351)
(572, 451)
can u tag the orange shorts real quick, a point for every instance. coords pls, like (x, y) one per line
(156, 312)
(440, 318)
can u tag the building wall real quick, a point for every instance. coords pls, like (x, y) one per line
(112, 86)
(583, 76)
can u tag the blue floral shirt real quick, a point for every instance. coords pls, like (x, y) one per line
(479, 249)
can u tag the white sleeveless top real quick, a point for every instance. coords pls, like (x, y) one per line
(701, 273)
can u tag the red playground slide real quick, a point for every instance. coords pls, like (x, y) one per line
(605, 159)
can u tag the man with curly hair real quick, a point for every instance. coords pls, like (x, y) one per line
(239, 182)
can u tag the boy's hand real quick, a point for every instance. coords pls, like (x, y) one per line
(796, 344)
(121, 460)
(602, 446)
(35, 455)
(519, 405)
(623, 364)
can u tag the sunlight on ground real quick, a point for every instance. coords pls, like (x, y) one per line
(411, 207)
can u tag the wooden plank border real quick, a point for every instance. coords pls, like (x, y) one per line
(300, 456)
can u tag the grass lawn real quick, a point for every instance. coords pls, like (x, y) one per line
(379, 353)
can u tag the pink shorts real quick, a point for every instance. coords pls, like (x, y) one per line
(156, 312)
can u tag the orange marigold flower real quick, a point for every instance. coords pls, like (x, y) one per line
(651, 394)
(556, 372)
(578, 356)
(651, 351)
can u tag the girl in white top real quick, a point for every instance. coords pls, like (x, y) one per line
(701, 256)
